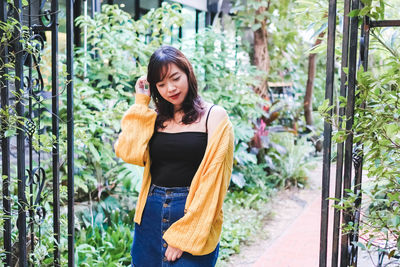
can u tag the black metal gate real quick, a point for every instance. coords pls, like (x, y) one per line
(347, 153)
(22, 94)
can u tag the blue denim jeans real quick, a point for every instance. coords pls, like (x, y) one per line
(164, 206)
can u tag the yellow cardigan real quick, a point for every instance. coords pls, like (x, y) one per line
(199, 230)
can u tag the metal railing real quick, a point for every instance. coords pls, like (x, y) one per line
(29, 91)
(348, 154)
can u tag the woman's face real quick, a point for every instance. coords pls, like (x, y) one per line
(174, 87)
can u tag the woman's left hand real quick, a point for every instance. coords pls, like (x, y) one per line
(172, 254)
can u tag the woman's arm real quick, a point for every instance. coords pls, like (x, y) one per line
(217, 115)
(137, 127)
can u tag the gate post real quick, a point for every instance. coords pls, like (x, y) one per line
(330, 68)
(19, 87)
(55, 130)
(70, 130)
(5, 145)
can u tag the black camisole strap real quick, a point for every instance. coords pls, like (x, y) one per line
(208, 114)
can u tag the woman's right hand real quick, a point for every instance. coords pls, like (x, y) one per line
(142, 86)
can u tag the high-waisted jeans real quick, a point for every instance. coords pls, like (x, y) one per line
(164, 206)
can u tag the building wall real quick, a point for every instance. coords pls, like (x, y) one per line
(196, 4)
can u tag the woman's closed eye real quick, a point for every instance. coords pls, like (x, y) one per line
(177, 78)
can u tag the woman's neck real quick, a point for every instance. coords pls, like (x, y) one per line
(177, 108)
(178, 115)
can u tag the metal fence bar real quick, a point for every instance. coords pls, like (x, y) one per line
(364, 52)
(29, 133)
(349, 125)
(330, 68)
(55, 131)
(70, 130)
(137, 9)
(340, 146)
(19, 78)
(77, 30)
(384, 23)
(5, 146)
(358, 159)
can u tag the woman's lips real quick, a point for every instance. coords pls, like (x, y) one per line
(175, 96)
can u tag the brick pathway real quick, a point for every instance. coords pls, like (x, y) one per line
(298, 246)
(296, 243)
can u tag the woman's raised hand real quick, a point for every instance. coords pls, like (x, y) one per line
(142, 86)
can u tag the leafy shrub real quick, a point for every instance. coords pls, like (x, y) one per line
(104, 247)
(243, 218)
(104, 85)
(377, 128)
(292, 166)
(227, 79)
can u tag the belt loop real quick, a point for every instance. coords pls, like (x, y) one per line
(151, 188)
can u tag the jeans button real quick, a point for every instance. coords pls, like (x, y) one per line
(165, 205)
(165, 245)
(164, 220)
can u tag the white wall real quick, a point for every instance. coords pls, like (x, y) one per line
(198, 4)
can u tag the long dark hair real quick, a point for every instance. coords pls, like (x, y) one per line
(157, 70)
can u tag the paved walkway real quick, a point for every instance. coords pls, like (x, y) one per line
(298, 246)
(296, 235)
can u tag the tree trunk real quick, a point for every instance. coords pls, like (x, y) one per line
(310, 82)
(261, 55)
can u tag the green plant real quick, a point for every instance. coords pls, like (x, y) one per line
(104, 85)
(104, 246)
(244, 214)
(43, 253)
(14, 36)
(227, 80)
(291, 166)
(377, 128)
(104, 233)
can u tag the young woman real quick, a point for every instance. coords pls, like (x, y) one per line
(186, 147)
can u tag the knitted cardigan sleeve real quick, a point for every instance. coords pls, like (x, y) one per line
(137, 127)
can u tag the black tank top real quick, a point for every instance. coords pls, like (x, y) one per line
(175, 157)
